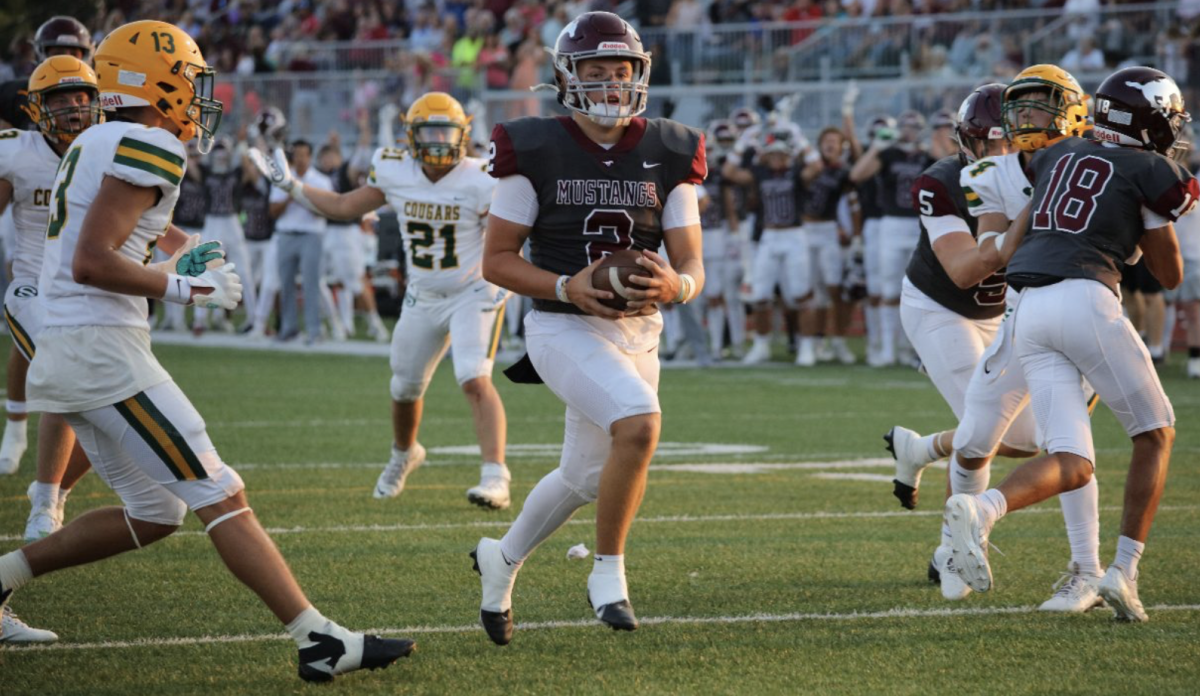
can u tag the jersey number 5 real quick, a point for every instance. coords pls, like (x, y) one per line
(58, 216)
(1070, 199)
(423, 238)
(607, 230)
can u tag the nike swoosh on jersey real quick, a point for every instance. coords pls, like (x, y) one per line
(651, 165)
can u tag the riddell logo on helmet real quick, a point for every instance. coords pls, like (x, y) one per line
(70, 79)
(111, 101)
(614, 46)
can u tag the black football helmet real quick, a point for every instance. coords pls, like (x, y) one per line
(62, 32)
(980, 119)
(887, 124)
(1141, 107)
(601, 35)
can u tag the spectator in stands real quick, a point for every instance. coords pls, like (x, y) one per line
(1085, 57)
(493, 60)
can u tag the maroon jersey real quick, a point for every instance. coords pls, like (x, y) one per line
(591, 200)
(1087, 210)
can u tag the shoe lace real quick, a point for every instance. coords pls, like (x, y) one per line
(1068, 584)
(10, 616)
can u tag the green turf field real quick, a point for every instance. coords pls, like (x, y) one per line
(777, 579)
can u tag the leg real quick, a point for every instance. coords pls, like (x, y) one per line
(311, 257)
(290, 246)
(56, 449)
(16, 438)
(623, 481)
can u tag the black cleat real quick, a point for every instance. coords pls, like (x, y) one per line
(934, 576)
(906, 494)
(498, 625)
(378, 653)
(617, 615)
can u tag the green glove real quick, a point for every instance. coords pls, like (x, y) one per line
(197, 260)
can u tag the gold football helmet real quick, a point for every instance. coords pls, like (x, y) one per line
(59, 74)
(437, 129)
(156, 64)
(1065, 102)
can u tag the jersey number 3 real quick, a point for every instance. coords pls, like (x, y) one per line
(1070, 199)
(58, 216)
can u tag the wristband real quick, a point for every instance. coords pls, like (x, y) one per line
(179, 290)
(297, 194)
(687, 288)
(560, 289)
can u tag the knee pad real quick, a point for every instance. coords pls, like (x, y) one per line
(586, 485)
(406, 392)
(160, 507)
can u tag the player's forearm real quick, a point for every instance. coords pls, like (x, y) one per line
(511, 271)
(174, 238)
(110, 271)
(866, 167)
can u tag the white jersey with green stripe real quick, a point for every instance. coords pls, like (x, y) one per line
(442, 222)
(139, 155)
(996, 185)
(28, 163)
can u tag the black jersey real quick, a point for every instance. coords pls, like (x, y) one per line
(222, 190)
(591, 200)
(898, 169)
(715, 215)
(12, 103)
(193, 203)
(868, 199)
(258, 225)
(937, 193)
(822, 194)
(780, 195)
(1087, 216)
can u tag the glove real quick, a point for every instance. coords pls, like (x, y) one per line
(849, 99)
(192, 258)
(226, 288)
(275, 167)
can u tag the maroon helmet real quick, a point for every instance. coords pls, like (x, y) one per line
(62, 32)
(980, 119)
(721, 136)
(744, 117)
(601, 35)
(1141, 107)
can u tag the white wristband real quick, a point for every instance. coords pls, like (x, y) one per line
(687, 288)
(560, 289)
(179, 290)
(297, 194)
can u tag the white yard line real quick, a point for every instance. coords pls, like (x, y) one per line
(666, 519)
(898, 613)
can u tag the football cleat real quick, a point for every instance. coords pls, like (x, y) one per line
(1074, 593)
(758, 354)
(497, 575)
(969, 541)
(911, 460)
(391, 479)
(43, 521)
(328, 655)
(806, 354)
(14, 630)
(1193, 368)
(823, 352)
(13, 446)
(492, 491)
(843, 353)
(617, 615)
(1121, 594)
(953, 587)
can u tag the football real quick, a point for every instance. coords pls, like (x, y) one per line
(613, 275)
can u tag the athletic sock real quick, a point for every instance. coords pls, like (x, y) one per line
(606, 584)
(928, 445)
(44, 495)
(1081, 513)
(968, 481)
(871, 313)
(993, 505)
(14, 570)
(1129, 552)
(549, 505)
(889, 324)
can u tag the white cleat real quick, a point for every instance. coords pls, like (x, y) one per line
(497, 575)
(824, 353)
(844, 355)
(13, 446)
(1121, 594)
(953, 587)
(1193, 368)
(912, 458)
(1074, 593)
(14, 630)
(391, 479)
(806, 355)
(335, 651)
(43, 521)
(492, 491)
(969, 541)
(758, 354)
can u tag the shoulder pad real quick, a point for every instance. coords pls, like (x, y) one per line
(678, 137)
(149, 157)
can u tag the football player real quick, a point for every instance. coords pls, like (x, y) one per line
(578, 188)
(781, 257)
(898, 166)
(63, 102)
(826, 181)
(224, 176)
(441, 197)
(111, 203)
(1042, 105)
(1095, 205)
(722, 245)
(882, 129)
